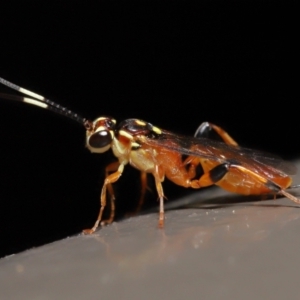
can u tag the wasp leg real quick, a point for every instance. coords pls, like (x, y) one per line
(159, 188)
(272, 186)
(206, 128)
(192, 163)
(217, 173)
(289, 196)
(142, 195)
(277, 189)
(108, 180)
(211, 177)
(208, 178)
(143, 191)
(111, 168)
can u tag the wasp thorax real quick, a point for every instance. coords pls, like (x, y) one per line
(136, 127)
(100, 136)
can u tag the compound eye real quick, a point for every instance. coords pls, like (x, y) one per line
(100, 139)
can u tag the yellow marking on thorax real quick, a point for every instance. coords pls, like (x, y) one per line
(156, 130)
(126, 134)
(139, 122)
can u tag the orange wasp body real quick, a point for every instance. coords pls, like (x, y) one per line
(160, 152)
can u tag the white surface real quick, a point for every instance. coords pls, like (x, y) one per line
(229, 249)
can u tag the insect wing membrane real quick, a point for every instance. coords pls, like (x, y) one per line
(257, 161)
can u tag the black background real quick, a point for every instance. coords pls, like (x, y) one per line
(174, 64)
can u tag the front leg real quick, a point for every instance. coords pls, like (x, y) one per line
(108, 170)
(108, 180)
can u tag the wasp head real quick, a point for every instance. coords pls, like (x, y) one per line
(100, 134)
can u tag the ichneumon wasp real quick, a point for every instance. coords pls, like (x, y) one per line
(154, 150)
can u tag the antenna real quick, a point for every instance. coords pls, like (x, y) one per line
(42, 102)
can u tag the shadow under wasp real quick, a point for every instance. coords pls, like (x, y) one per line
(165, 154)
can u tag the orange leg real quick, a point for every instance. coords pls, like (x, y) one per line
(207, 179)
(161, 203)
(108, 181)
(205, 129)
(143, 192)
(142, 196)
(289, 196)
(192, 162)
(272, 186)
(218, 172)
(113, 167)
(159, 178)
